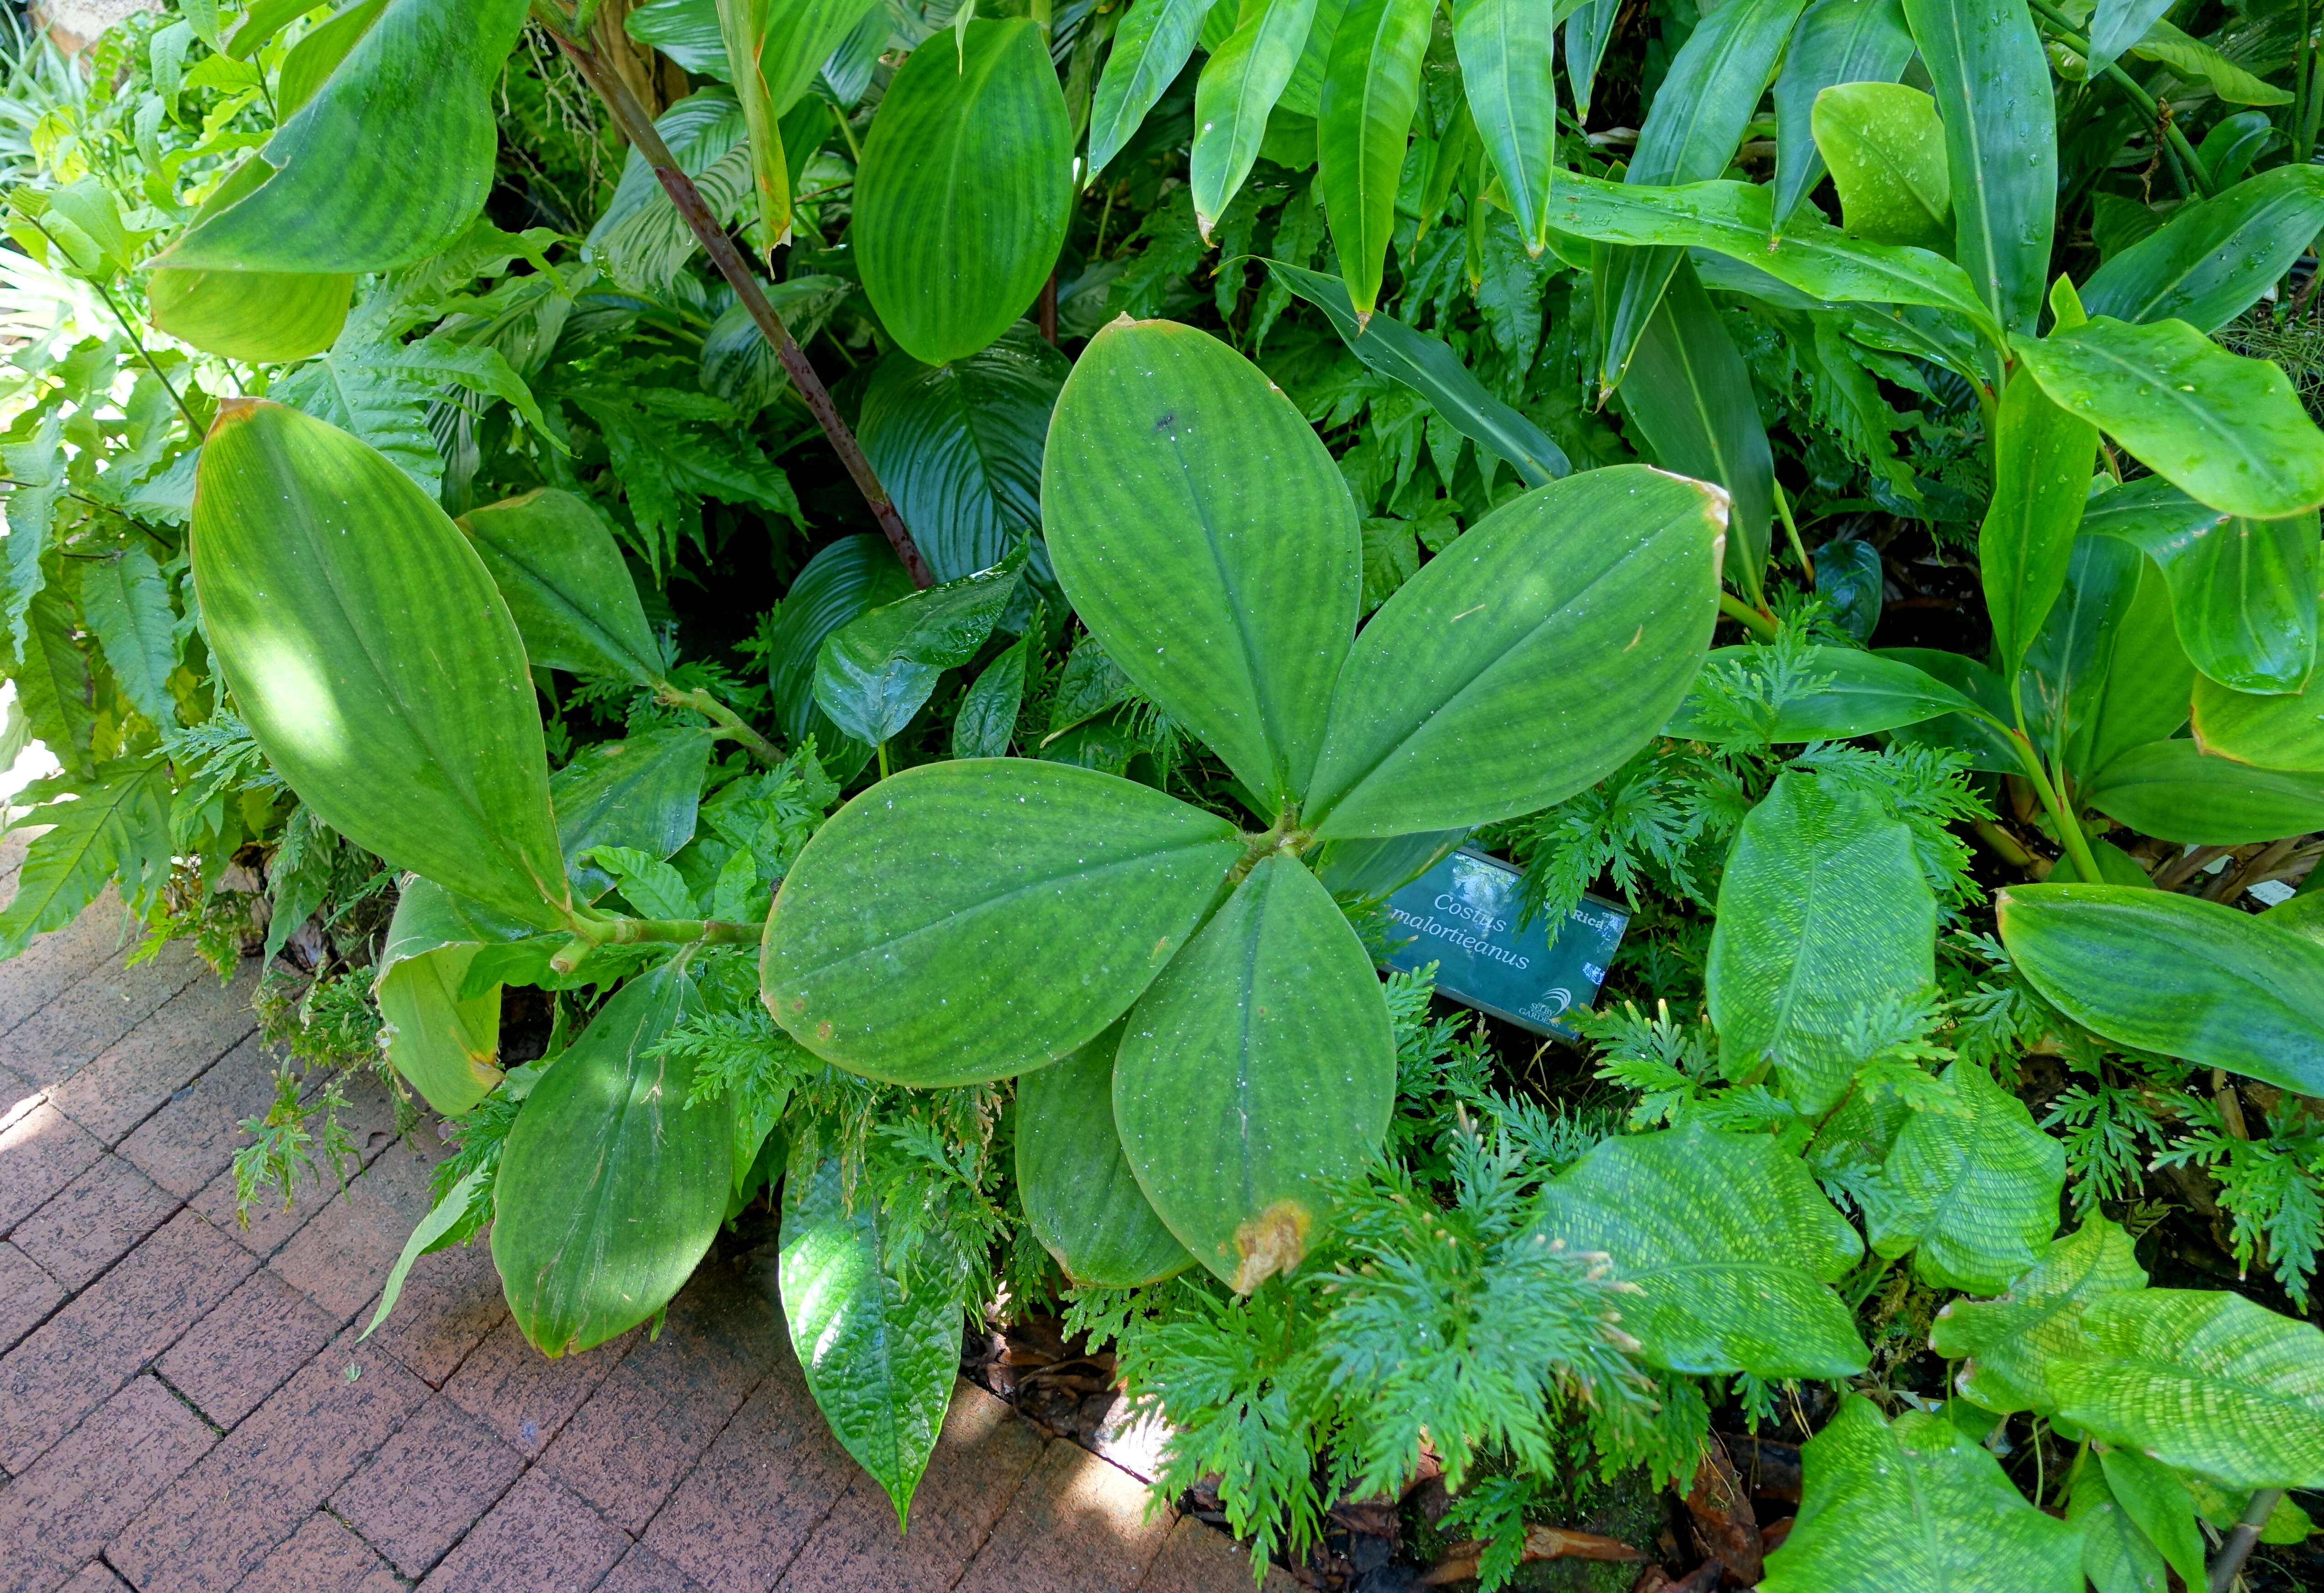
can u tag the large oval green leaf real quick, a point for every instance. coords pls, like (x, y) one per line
(1260, 1060)
(2007, 1346)
(611, 1187)
(1370, 90)
(1886, 145)
(258, 316)
(1080, 1196)
(2168, 973)
(1822, 913)
(2173, 790)
(2204, 1381)
(1528, 660)
(962, 197)
(1508, 51)
(972, 919)
(958, 447)
(1726, 1283)
(563, 578)
(2227, 430)
(2212, 259)
(371, 657)
(387, 164)
(2275, 732)
(1970, 1188)
(446, 1047)
(1206, 537)
(1234, 96)
(1835, 41)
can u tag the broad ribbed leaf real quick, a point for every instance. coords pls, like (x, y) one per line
(256, 316)
(1822, 913)
(1080, 1196)
(685, 31)
(126, 604)
(1207, 537)
(2243, 592)
(1836, 41)
(1917, 1506)
(1992, 88)
(611, 1187)
(962, 197)
(642, 793)
(2168, 973)
(1970, 1189)
(562, 575)
(2006, 1346)
(1731, 1244)
(876, 1325)
(1885, 146)
(1526, 662)
(2042, 458)
(2227, 430)
(1038, 901)
(1370, 90)
(872, 674)
(1261, 1059)
(387, 164)
(1151, 48)
(2172, 790)
(2204, 1381)
(115, 831)
(1982, 743)
(446, 1049)
(317, 54)
(2275, 732)
(1429, 367)
(1234, 96)
(640, 236)
(958, 447)
(2213, 258)
(1688, 395)
(372, 658)
(1856, 694)
(840, 583)
(1508, 51)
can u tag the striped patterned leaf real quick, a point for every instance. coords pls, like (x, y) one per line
(1971, 1189)
(1080, 1195)
(2007, 1346)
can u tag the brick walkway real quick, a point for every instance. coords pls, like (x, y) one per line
(184, 1407)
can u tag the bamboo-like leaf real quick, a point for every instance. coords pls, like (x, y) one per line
(2007, 1346)
(126, 604)
(1151, 48)
(1235, 95)
(1836, 41)
(1970, 1189)
(563, 578)
(1081, 1197)
(372, 658)
(1885, 146)
(2118, 24)
(2042, 458)
(962, 197)
(446, 1049)
(1370, 91)
(1508, 51)
(2173, 790)
(2213, 258)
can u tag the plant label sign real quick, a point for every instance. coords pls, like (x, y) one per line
(1465, 915)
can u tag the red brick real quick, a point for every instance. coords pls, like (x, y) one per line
(642, 1570)
(76, 1360)
(216, 1523)
(540, 1538)
(984, 1453)
(451, 1300)
(740, 1516)
(627, 1447)
(27, 1294)
(426, 1485)
(193, 1138)
(1077, 1525)
(88, 1015)
(245, 1350)
(53, 962)
(1199, 1558)
(96, 1578)
(322, 1557)
(93, 1221)
(343, 1254)
(169, 1050)
(42, 1151)
(266, 1224)
(56, 1516)
(520, 1393)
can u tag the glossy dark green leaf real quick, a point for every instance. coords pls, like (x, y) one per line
(737, 363)
(126, 605)
(1370, 90)
(962, 197)
(1725, 1284)
(2243, 592)
(1508, 51)
(987, 722)
(446, 1049)
(873, 673)
(2227, 430)
(1261, 1059)
(2153, 1496)
(1885, 146)
(2118, 24)
(1851, 576)
(1983, 744)
(564, 579)
(1234, 96)
(840, 583)
(2213, 258)
(1528, 660)
(2042, 458)
(2169, 973)
(1206, 537)
(876, 1324)
(2273, 732)
(1916, 1506)
(1690, 395)
(2066, 666)
(642, 793)
(958, 447)
(1836, 41)
(2145, 691)
(1080, 1196)
(611, 1187)
(2006, 1346)
(927, 975)
(1151, 48)
(1992, 86)
(1970, 1189)
(2171, 789)
(387, 164)
(1858, 694)
(372, 658)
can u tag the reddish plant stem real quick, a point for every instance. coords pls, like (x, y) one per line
(638, 129)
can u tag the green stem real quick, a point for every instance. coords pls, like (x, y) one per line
(1857, 1296)
(883, 760)
(2063, 27)
(2069, 831)
(1792, 530)
(589, 934)
(129, 328)
(1759, 624)
(729, 723)
(847, 130)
